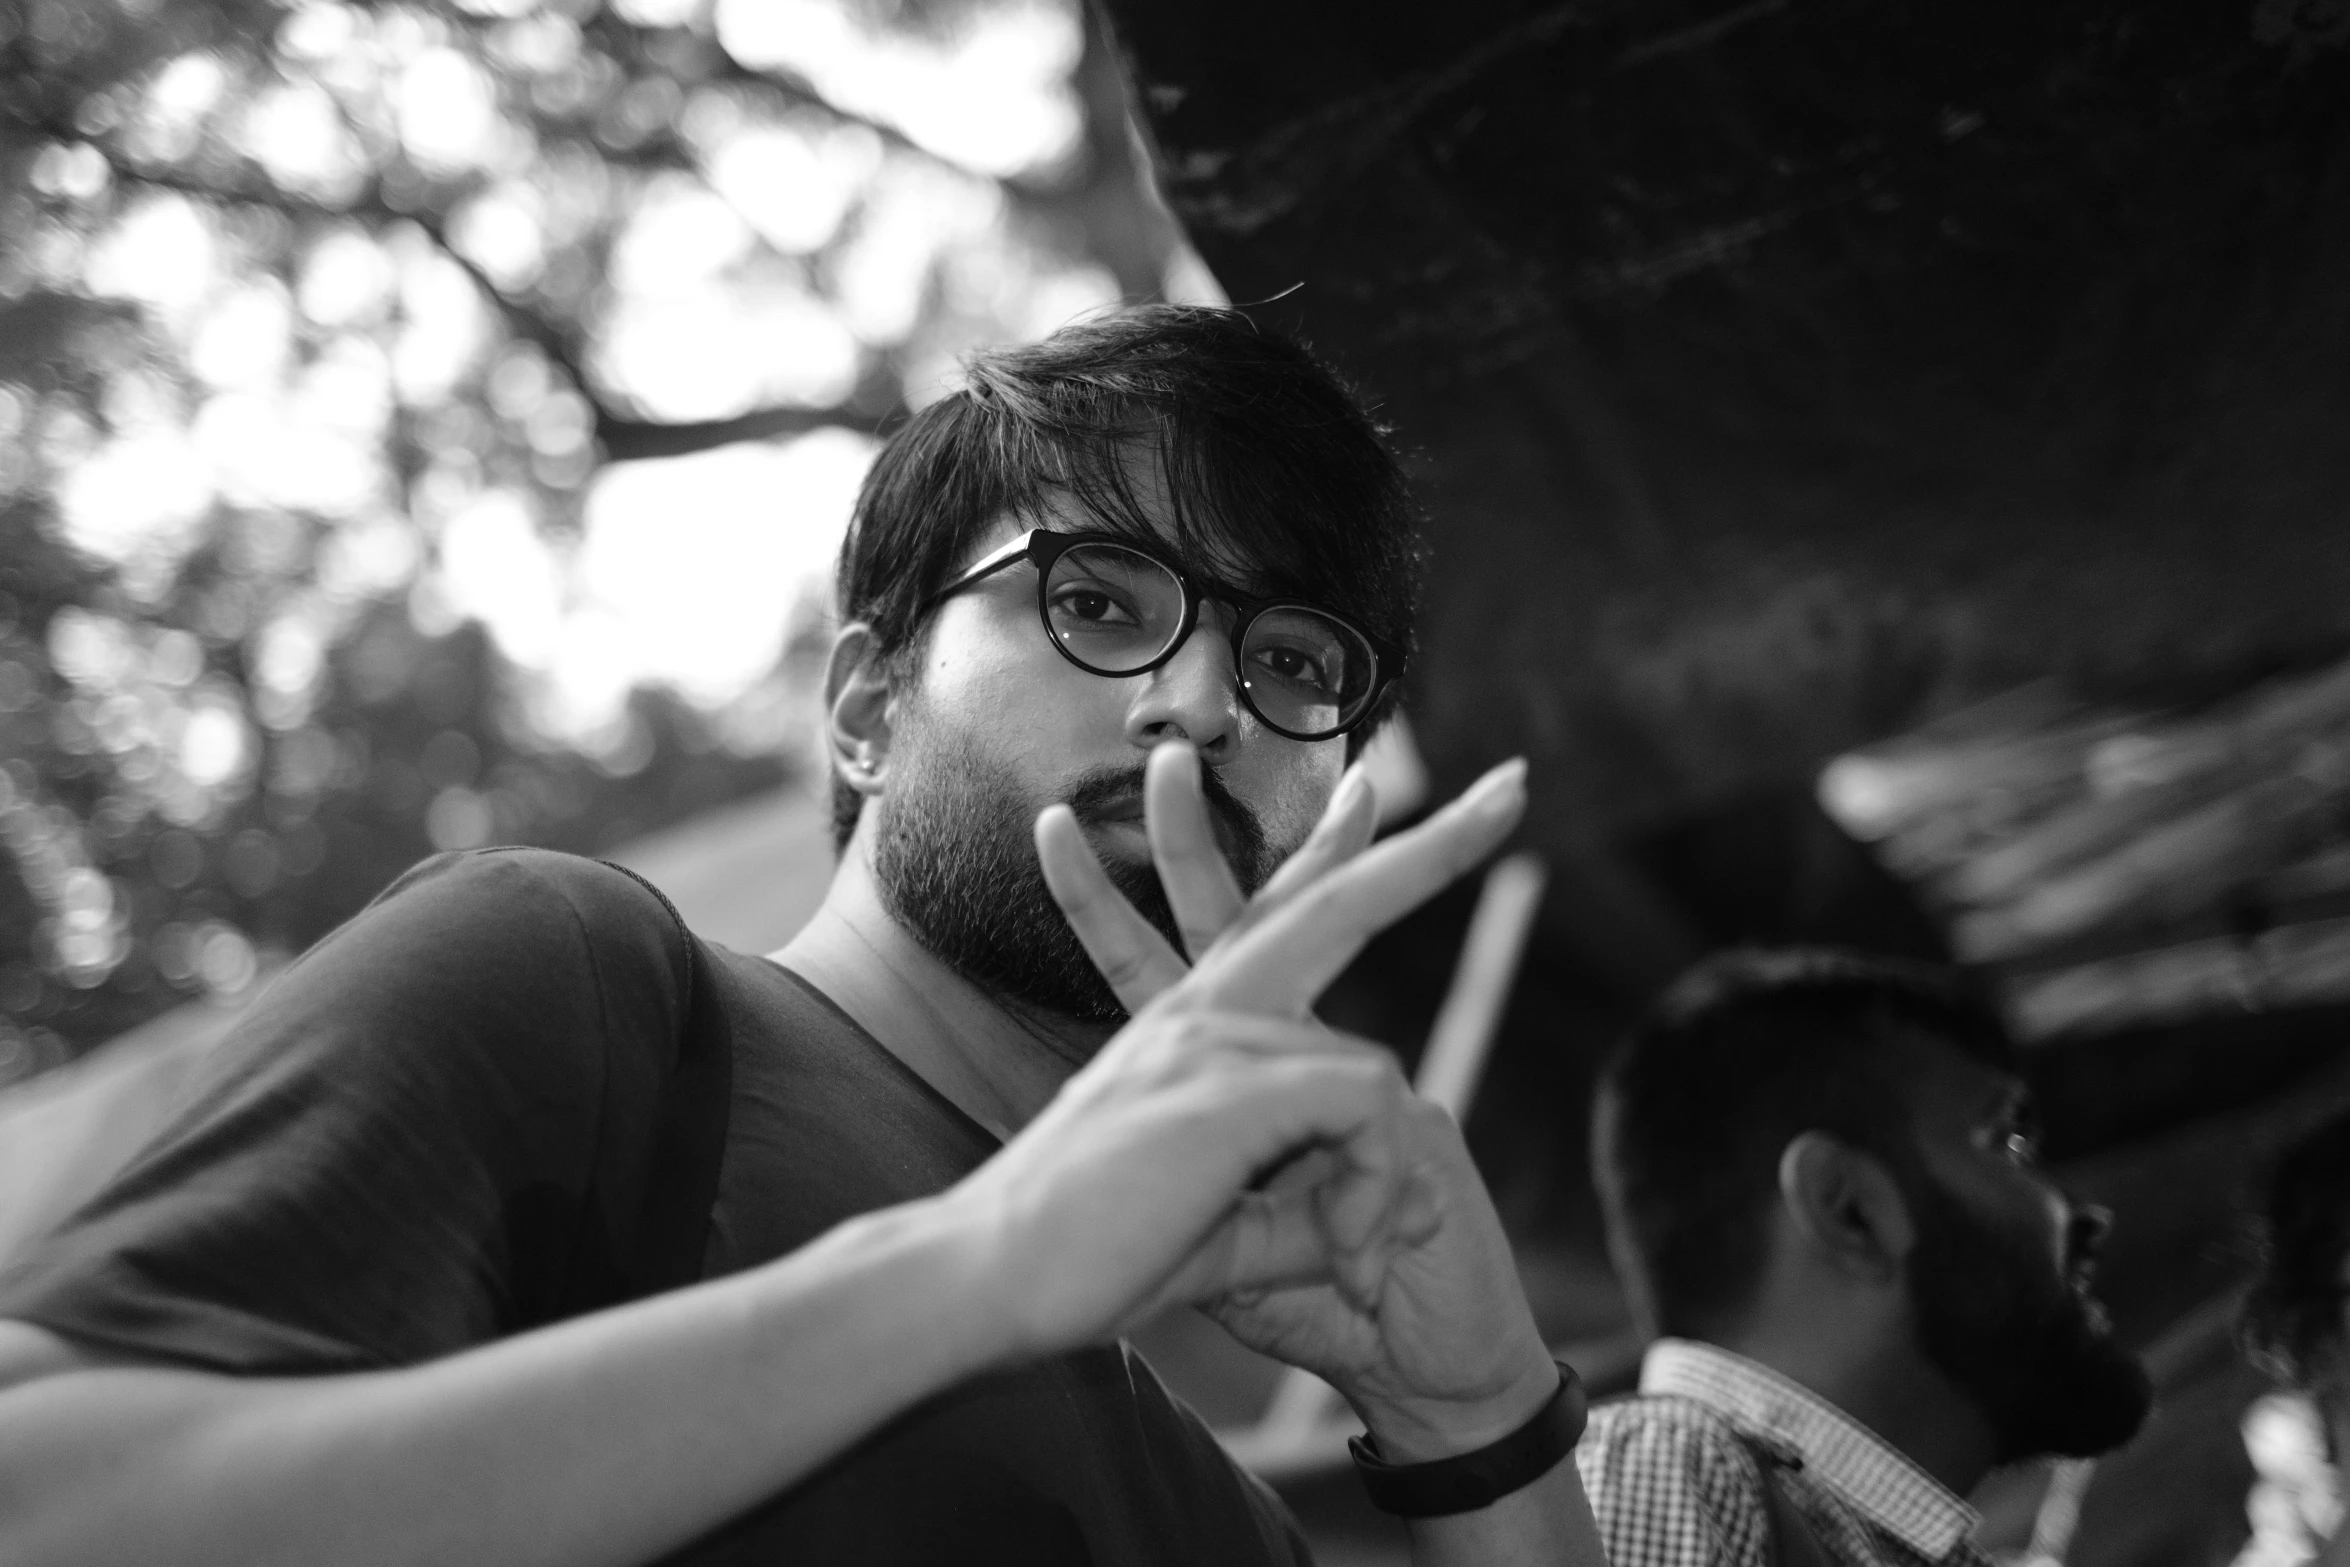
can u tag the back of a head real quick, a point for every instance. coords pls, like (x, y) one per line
(1178, 422)
(1744, 1053)
(2293, 1314)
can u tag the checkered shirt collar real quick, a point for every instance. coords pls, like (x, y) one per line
(1885, 1488)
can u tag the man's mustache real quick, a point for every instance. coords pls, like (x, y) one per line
(1119, 789)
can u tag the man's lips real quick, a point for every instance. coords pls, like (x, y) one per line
(1127, 811)
(1125, 808)
(1116, 829)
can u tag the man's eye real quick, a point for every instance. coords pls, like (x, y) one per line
(1091, 605)
(2022, 1147)
(1293, 666)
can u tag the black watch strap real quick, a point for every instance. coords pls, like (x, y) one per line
(1467, 1481)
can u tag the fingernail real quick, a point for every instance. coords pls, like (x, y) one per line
(1499, 790)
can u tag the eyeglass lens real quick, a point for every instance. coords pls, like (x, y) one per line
(1115, 610)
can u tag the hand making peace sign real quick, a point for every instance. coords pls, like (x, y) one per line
(1417, 1314)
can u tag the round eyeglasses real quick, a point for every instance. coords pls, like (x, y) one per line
(1114, 607)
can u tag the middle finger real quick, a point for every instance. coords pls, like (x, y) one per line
(1199, 884)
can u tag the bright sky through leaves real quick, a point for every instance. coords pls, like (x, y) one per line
(573, 319)
(711, 309)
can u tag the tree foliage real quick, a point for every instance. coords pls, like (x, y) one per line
(322, 330)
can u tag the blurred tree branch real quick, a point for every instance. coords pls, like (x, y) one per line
(1098, 203)
(43, 80)
(623, 436)
(216, 508)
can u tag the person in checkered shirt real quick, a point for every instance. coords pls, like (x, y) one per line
(1863, 1292)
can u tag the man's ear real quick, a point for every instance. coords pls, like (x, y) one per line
(859, 703)
(1845, 1206)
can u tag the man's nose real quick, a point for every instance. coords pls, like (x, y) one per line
(1193, 696)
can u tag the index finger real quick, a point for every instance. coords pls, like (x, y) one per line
(1347, 826)
(1133, 957)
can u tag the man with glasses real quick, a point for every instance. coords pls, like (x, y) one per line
(1116, 616)
(1158, 527)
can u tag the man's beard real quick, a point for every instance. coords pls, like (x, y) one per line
(955, 860)
(2037, 1357)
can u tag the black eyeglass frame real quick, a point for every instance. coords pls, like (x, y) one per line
(1041, 547)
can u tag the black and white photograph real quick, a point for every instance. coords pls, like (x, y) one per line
(1112, 783)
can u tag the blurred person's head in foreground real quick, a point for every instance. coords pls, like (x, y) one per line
(2296, 1321)
(1826, 1163)
(1160, 523)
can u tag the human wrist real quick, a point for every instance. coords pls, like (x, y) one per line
(1426, 1429)
(912, 1257)
(1481, 1478)
(977, 1238)
(963, 1259)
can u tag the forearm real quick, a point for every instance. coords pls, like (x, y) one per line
(601, 1442)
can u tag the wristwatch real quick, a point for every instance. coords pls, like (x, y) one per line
(1467, 1481)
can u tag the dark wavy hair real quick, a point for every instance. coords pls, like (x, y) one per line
(1745, 1052)
(1274, 480)
(2301, 1233)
